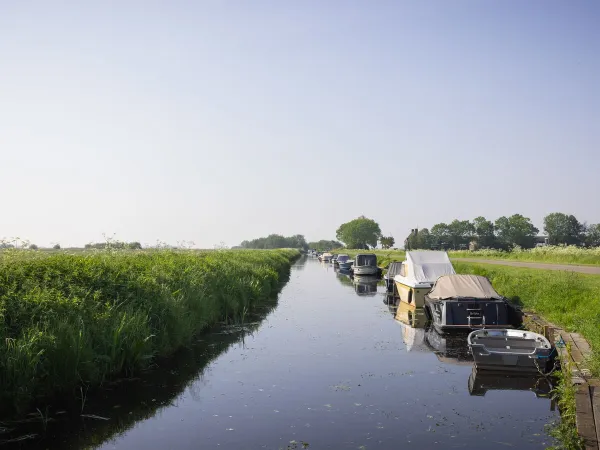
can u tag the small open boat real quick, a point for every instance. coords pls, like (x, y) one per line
(511, 350)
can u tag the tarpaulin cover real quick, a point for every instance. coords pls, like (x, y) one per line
(463, 286)
(427, 266)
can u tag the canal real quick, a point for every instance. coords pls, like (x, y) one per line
(331, 365)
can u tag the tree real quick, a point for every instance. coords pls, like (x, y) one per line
(56, 247)
(592, 235)
(440, 235)
(134, 246)
(563, 229)
(359, 233)
(424, 239)
(387, 241)
(484, 232)
(461, 232)
(33, 247)
(324, 245)
(516, 230)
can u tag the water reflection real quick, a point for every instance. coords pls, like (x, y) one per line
(365, 285)
(480, 382)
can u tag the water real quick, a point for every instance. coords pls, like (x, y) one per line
(327, 368)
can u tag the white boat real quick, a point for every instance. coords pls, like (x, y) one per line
(510, 350)
(392, 271)
(418, 273)
(325, 257)
(365, 264)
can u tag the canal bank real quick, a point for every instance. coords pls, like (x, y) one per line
(326, 367)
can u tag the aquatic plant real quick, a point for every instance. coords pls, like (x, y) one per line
(74, 319)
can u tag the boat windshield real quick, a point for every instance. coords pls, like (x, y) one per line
(366, 260)
(343, 258)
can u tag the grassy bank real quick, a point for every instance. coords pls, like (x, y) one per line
(548, 254)
(567, 299)
(75, 319)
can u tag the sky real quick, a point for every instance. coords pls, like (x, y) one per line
(219, 121)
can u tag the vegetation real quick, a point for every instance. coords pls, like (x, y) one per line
(384, 257)
(277, 241)
(324, 245)
(567, 299)
(387, 241)
(549, 254)
(71, 320)
(359, 233)
(112, 244)
(506, 233)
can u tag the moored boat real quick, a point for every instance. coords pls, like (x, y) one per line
(344, 261)
(365, 264)
(468, 302)
(418, 273)
(325, 257)
(510, 350)
(392, 271)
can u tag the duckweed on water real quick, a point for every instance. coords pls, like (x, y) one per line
(71, 320)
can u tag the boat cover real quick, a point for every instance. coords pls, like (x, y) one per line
(366, 259)
(463, 286)
(427, 266)
(394, 269)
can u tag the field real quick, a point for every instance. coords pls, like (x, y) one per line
(76, 319)
(548, 254)
(567, 299)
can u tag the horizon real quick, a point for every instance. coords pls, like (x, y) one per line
(216, 123)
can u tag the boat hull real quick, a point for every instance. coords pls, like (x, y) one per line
(510, 351)
(366, 270)
(411, 295)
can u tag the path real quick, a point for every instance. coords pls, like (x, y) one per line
(594, 270)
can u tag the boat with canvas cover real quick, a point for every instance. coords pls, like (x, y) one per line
(365, 264)
(510, 350)
(344, 262)
(392, 271)
(418, 273)
(468, 302)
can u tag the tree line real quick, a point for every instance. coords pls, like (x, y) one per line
(505, 233)
(277, 241)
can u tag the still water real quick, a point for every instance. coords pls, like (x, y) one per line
(331, 366)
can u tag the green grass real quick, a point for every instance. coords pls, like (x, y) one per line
(73, 319)
(548, 254)
(567, 299)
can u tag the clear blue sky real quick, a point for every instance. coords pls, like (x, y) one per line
(222, 121)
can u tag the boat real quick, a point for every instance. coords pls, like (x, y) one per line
(334, 258)
(325, 257)
(481, 381)
(393, 270)
(418, 273)
(468, 302)
(365, 264)
(365, 285)
(510, 350)
(344, 261)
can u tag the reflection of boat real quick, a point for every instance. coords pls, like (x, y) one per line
(512, 350)
(411, 316)
(365, 285)
(449, 348)
(418, 274)
(365, 264)
(481, 382)
(392, 271)
(467, 302)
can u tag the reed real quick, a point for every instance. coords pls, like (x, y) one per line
(75, 319)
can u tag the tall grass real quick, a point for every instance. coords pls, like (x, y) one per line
(68, 320)
(567, 299)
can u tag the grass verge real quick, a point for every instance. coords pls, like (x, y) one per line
(71, 320)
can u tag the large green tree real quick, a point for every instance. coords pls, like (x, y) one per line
(563, 229)
(440, 235)
(516, 230)
(359, 233)
(324, 245)
(277, 241)
(461, 232)
(592, 235)
(484, 232)
(387, 241)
